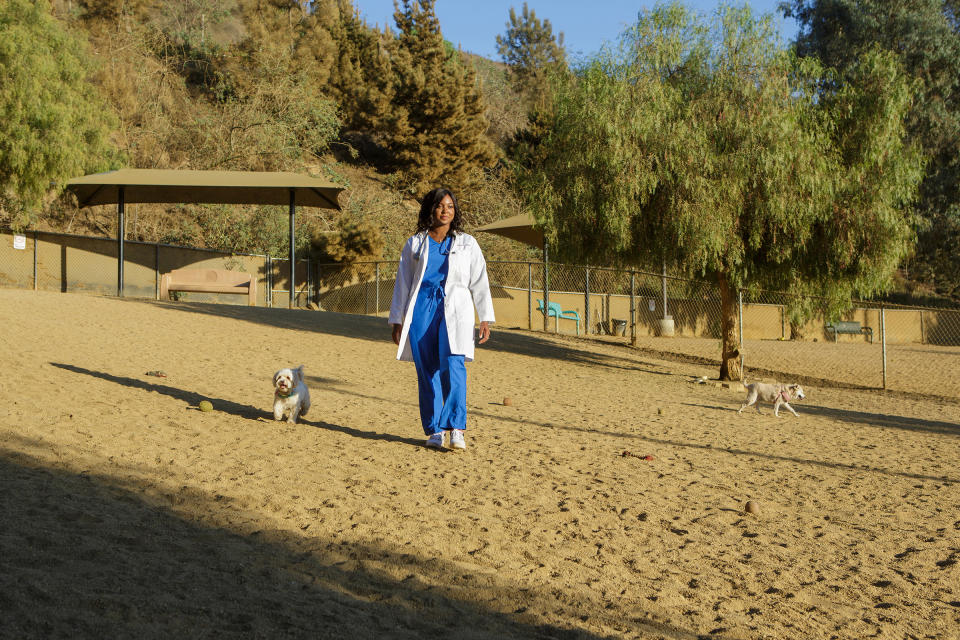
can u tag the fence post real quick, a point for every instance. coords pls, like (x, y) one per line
(664, 287)
(156, 271)
(546, 288)
(307, 289)
(923, 338)
(633, 308)
(530, 296)
(883, 343)
(586, 301)
(740, 328)
(376, 276)
(269, 278)
(36, 239)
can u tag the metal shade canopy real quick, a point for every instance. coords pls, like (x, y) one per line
(208, 187)
(522, 228)
(519, 227)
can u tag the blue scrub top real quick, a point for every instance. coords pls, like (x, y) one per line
(438, 263)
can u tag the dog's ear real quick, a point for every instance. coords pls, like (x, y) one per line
(275, 375)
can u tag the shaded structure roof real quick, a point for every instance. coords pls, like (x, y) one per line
(519, 227)
(127, 186)
(211, 187)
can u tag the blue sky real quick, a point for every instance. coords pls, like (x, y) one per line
(585, 24)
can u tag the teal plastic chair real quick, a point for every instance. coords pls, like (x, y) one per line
(557, 312)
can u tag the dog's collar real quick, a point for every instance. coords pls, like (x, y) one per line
(283, 395)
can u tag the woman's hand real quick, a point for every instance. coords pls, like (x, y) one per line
(396, 333)
(484, 332)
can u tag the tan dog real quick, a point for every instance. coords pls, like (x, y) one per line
(778, 394)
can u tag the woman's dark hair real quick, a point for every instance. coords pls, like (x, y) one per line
(430, 203)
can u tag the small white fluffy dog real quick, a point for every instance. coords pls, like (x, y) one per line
(290, 395)
(778, 394)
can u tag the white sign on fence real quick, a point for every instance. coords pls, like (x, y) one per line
(652, 304)
(19, 242)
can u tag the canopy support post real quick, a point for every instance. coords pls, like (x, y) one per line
(293, 249)
(121, 232)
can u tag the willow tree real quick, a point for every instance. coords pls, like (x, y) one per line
(925, 36)
(53, 123)
(705, 145)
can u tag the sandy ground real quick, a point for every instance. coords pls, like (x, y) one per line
(931, 370)
(127, 512)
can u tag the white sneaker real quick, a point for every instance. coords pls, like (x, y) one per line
(456, 439)
(435, 441)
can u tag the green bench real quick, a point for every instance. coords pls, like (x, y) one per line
(558, 312)
(850, 327)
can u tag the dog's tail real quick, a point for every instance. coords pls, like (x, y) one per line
(299, 371)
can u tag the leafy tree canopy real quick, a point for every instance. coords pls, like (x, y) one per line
(925, 36)
(53, 123)
(705, 145)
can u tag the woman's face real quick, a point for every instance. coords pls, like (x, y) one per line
(444, 212)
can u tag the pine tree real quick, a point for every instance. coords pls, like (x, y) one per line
(530, 50)
(361, 75)
(436, 127)
(295, 30)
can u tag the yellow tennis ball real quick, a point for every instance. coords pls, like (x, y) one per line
(206, 405)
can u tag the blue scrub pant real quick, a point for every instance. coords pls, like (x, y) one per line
(441, 376)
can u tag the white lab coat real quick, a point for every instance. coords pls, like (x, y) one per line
(466, 286)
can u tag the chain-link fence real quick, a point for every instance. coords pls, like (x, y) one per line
(874, 345)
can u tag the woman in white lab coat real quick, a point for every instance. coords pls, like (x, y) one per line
(441, 277)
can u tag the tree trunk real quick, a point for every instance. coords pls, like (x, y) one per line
(796, 331)
(730, 339)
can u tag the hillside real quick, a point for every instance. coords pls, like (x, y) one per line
(181, 88)
(308, 87)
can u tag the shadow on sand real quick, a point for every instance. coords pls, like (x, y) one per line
(376, 329)
(93, 556)
(232, 408)
(249, 412)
